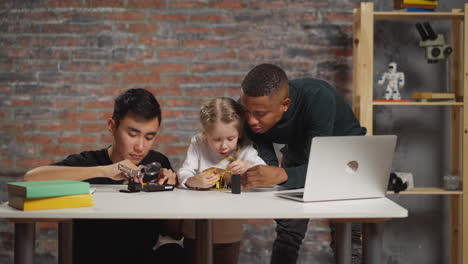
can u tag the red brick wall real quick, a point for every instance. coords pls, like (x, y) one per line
(62, 62)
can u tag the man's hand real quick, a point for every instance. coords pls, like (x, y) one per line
(263, 176)
(167, 176)
(239, 166)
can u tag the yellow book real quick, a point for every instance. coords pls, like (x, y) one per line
(420, 2)
(69, 201)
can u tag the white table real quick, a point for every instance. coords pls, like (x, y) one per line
(204, 206)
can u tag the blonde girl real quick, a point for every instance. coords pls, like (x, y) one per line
(221, 143)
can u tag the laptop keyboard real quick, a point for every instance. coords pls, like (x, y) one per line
(296, 194)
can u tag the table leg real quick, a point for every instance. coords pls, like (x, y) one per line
(24, 243)
(204, 241)
(372, 234)
(65, 241)
(343, 243)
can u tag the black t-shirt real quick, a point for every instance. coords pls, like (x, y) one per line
(101, 158)
(110, 240)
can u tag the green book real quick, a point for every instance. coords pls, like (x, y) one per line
(38, 189)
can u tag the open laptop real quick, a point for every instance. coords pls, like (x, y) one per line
(349, 167)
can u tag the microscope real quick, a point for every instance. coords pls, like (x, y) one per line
(435, 46)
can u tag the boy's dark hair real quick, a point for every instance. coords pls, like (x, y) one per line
(264, 80)
(138, 101)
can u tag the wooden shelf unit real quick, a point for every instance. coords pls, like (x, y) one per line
(363, 104)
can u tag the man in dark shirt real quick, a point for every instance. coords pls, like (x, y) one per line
(134, 125)
(289, 113)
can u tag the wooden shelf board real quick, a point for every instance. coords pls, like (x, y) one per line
(398, 15)
(420, 103)
(428, 191)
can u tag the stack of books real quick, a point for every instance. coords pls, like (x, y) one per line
(41, 195)
(416, 5)
(434, 97)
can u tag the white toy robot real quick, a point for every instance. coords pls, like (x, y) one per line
(395, 80)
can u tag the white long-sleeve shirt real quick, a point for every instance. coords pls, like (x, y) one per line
(201, 157)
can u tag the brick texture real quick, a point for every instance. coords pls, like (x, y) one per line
(62, 62)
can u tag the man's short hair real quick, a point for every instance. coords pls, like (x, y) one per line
(137, 101)
(264, 80)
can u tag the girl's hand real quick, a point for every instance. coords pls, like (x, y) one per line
(205, 179)
(239, 166)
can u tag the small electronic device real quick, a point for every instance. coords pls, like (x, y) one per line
(154, 187)
(147, 176)
(235, 184)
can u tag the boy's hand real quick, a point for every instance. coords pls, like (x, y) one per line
(113, 172)
(167, 176)
(239, 166)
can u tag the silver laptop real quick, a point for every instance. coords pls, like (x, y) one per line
(343, 168)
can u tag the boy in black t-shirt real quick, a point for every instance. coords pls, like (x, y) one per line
(134, 125)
